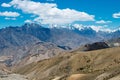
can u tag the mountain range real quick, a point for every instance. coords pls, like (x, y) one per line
(58, 53)
(21, 41)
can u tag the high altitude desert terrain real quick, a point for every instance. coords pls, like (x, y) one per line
(32, 52)
(76, 65)
(59, 40)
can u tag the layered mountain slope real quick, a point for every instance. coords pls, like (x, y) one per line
(32, 33)
(7, 75)
(18, 41)
(115, 42)
(16, 44)
(92, 65)
(60, 36)
(40, 51)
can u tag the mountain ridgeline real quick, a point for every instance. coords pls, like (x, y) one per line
(32, 33)
(19, 42)
(34, 52)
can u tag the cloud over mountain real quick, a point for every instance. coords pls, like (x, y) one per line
(49, 13)
(103, 22)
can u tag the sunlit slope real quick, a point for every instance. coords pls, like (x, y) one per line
(92, 65)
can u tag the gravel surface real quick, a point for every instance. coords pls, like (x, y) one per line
(12, 77)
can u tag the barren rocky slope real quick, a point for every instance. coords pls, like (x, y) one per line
(6, 74)
(20, 40)
(92, 65)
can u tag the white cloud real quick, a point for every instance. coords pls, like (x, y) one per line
(48, 13)
(9, 14)
(100, 28)
(96, 28)
(78, 26)
(5, 5)
(27, 21)
(116, 15)
(50, 0)
(103, 22)
(8, 18)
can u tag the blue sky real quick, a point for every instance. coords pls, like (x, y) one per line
(105, 13)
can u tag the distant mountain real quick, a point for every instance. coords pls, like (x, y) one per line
(20, 42)
(114, 42)
(116, 34)
(39, 51)
(32, 33)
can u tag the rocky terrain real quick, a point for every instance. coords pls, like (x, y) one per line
(76, 65)
(11, 76)
(33, 52)
(94, 46)
(40, 51)
(20, 40)
(33, 39)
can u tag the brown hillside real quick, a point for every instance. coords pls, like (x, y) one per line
(92, 65)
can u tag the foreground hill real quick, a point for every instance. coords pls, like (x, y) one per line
(91, 65)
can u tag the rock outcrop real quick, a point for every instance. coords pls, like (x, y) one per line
(95, 46)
